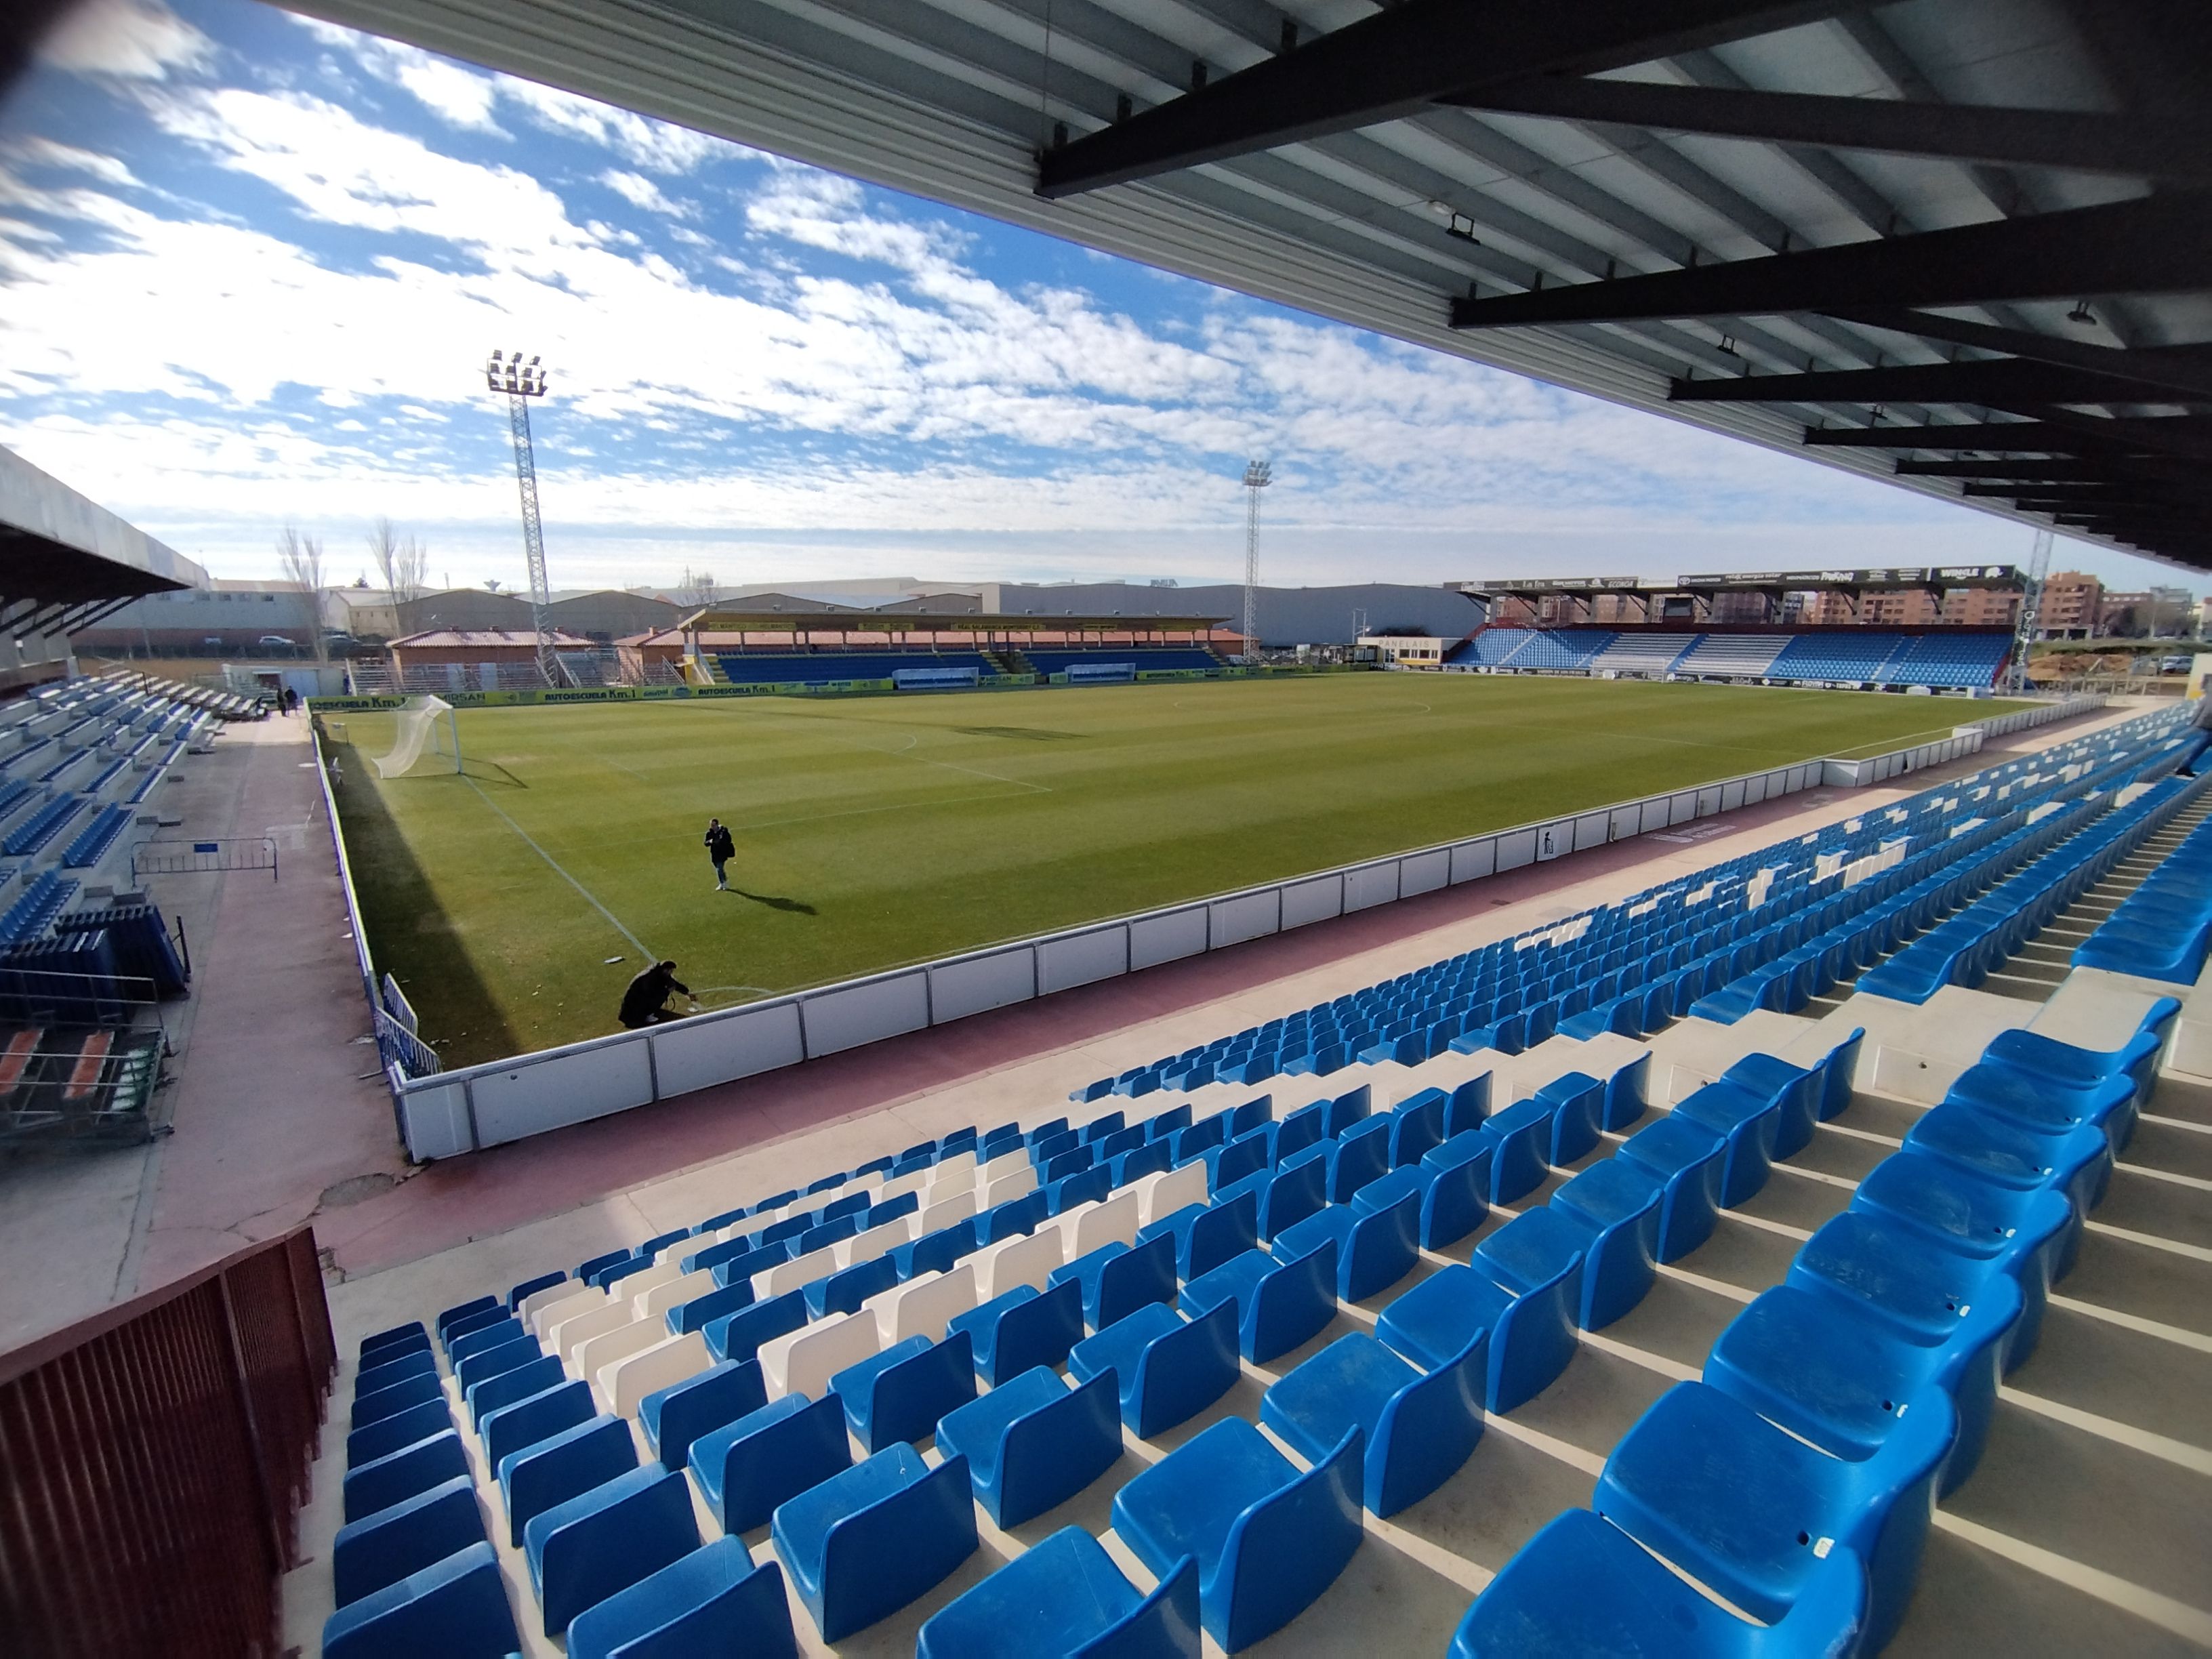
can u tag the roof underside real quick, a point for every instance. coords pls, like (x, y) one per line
(911, 622)
(1963, 245)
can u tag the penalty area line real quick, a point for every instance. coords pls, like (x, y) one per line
(554, 864)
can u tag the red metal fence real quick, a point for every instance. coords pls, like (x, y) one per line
(152, 1459)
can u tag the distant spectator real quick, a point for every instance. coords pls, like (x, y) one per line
(644, 1002)
(721, 848)
(337, 773)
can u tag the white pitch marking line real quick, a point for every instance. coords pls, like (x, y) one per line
(590, 897)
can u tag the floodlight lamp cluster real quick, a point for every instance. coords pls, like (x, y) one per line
(507, 372)
(1258, 474)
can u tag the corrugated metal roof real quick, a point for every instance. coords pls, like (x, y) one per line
(1953, 213)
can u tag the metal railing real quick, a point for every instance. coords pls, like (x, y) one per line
(157, 1457)
(175, 858)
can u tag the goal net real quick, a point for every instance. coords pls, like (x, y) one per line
(420, 730)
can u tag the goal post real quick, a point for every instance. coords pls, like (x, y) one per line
(420, 729)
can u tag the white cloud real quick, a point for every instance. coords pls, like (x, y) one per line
(132, 40)
(641, 192)
(40, 152)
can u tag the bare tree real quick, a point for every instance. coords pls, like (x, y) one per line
(402, 561)
(696, 588)
(302, 557)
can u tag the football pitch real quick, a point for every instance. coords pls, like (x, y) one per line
(512, 901)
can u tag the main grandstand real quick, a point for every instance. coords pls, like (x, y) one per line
(1767, 1215)
(1544, 626)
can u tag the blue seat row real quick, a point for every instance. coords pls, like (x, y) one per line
(1796, 1479)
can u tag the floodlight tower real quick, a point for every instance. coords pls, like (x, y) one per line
(1258, 474)
(2031, 613)
(521, 382)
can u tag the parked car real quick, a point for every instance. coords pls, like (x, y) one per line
(276, 642)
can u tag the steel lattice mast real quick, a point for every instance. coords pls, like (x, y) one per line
(521, 382)
(1258, 474)
(2031, 613)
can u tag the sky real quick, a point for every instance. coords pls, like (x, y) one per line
(251, 266)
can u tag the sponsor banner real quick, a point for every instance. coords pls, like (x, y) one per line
(352, 705)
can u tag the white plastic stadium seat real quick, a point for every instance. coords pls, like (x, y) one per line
(921, 1306)
(581, 1328)
(799, 1270)
(943, 1212)
(878, 1240)
(1028, 1260)
(1020, 1183)
(627, 1381)
(805, 1361)
(587, 1357)
(1113, 1222)
(1005, 1165)
(568, 1290)
(1172, 1190)
(670, 1292)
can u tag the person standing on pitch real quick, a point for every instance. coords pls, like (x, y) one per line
(721, 848)
(643, 1001)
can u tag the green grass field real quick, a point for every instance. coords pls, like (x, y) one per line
(882, 830)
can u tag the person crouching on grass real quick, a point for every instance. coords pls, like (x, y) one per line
(642, 1004)
(720, 848)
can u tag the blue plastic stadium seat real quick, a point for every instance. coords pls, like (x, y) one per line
(1420, 1427)
(538, 1417)
(401, 1474)
(603, 1541)
(1278, 1304)
(1796, 1090)
(2028, 1234)
(864, 1543)
(1011, 1333)
(844, 1291)
(380, 1439)
(935, 1251)
(1065, 1595)
(554, 1470)
(1578, 1103)
(456, 1609)
(1268, 1540)
(1835, 1373)
(534, 1377)
(1456, 1180)
(1615, 1209)
(899, 1393)
(700, 1311)
(673, 1417)
(1520, 1136)
(1582, 1587)
(1207, 1235)
(1726, 1496)
(385, 1547)
(1233, 1160)
(453, 1317)
(1089, 1185)
(493, 1362)
(481, 1334)
(1682, 1162)
(389, 1368)
(397, 1339)
(714, 1603)
(1169, 1369)
(740, 1336)
(1531, 1336)
(2005, 1153)
(745, 1468)
(1035, 1442)
(1116, 1281)
(1377, 1243)
(2052, 1104)
(1360, 1155)
(1747, 1123)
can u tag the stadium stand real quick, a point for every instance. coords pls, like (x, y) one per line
(1852, 659)
(817, 668)
(1023, 1297)
(1144, 659)
(1737, 656)
(1642, 653)
(1850, 656)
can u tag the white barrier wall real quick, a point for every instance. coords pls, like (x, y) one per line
(482, 1106)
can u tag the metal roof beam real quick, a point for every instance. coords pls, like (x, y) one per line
(2146, 245)
(1966, 132)
(1999, 382)
(2015, 437)
(2069, 470)
(2177, 368)
(1396, 63)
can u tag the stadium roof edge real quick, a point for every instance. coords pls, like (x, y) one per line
(101, 555)
(711, 621)
(1730, 213)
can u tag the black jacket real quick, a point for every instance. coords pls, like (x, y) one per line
(647, 993)
(720, 846)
